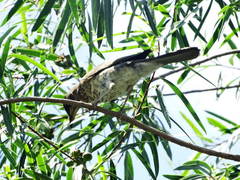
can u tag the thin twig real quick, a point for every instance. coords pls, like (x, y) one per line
(130, 120)
(42, 137)
(204, 90)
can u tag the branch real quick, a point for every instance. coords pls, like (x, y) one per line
(129, 120)
(204, 90)
(197, 63)
(42, 137)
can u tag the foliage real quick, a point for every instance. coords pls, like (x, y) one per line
(44, 48)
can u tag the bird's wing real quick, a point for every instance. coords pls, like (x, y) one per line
(107, 64)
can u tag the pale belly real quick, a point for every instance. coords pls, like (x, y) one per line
(116, 81)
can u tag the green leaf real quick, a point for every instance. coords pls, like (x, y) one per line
(145, 162)
(163, 107)
(152, 142)
(112, 170)
(183, 76)
(196, 165)
(106, 140)
(186, 102)
(40, 66)
(43, 14)
(100, 25)
(131, 21)
(7, 120)
(218, 30)
(217, 124)
(222, 118)
(197, 32)
(4, 56)
(194, 128)
(36, 53)
(41, 162)
(73, 5)
(36, 175)
(62, 25)
(14, 9)
(150, 18)
(95, 7)
(128, 167)
(71, 47)
(70, 174)
(6, 34)
(108, 20)
(7, 154)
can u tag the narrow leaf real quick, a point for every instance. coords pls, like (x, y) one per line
(73, 6)
(62, 24)
(108, 20)
(40, 66)
(43, 14)
(128, 167)
(186, 102)
(150, 18)
(7, 120)
(163, 107)
(14, 9)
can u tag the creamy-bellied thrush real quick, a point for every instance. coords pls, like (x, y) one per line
(113, 79)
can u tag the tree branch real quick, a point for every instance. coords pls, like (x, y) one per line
(204, 90)
(129, 120)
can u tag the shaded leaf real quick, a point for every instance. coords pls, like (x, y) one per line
(62, 25)
(186, 102)
(14, 9)
(108, 20)
(43, 14)
(145, 163)
(163, 107)
(128, 167)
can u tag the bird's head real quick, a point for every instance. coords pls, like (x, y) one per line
(71, 109)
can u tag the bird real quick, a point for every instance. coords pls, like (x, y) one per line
(113, 79)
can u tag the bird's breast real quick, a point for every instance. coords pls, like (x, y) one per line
(113, 82)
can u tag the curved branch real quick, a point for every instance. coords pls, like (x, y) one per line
(129, 120)
(204, 90)
(197, 63)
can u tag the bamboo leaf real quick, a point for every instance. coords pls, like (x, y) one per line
(14, 9)
(62, 25)
(186, 102)
(163, 107)
(128, 167)
(40, 66)
(108, 20)
(73, 6)
(43, 14)
(150, 18)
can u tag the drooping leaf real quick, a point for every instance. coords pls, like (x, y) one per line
(35, 63)
(186, 102)
(62, 25)
(108, 20)
(13, 10)
(43, 14)
(128, 167)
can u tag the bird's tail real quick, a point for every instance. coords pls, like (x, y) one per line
(146, 66)
(177, 56)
